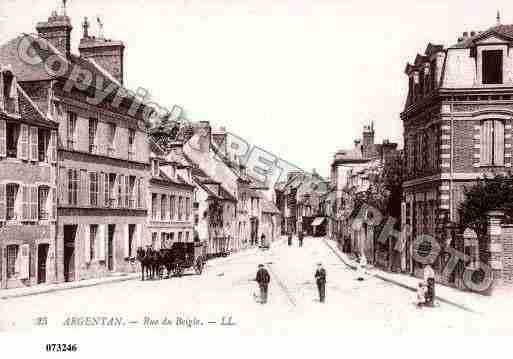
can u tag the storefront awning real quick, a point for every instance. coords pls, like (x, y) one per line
(318, 221)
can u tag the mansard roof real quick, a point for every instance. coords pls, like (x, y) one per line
(502, 31)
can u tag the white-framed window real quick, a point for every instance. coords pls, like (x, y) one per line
(12, 192)
(492, 143)
(112, 139)
(93, 188)
(154, 206)
(12, 259)
(155, 170)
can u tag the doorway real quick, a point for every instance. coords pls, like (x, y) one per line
(70, 232)
(42, 257)
(110, 247)
(254, 231)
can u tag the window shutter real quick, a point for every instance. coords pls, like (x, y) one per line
(53, 147)
(33, 144)
(33, 203)
(3, 201)
(121, 191)
(83, 188)
(486, 143)
(498, 151)
(63, 186)
(3, 136)
(102, 235)
(25, 203)
(53, 211)
(24, 261)
(87, 243)
(125, 239)
(23, 142)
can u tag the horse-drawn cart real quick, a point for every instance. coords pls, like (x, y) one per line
(186, 255)
(175, 260)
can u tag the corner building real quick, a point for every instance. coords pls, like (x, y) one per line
(457, 125)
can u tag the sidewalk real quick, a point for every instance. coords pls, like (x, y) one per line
(112, 278)
(48, 288)
(468, 301)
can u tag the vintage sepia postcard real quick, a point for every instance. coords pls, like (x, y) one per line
(255, 168)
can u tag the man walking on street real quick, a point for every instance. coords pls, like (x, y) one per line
(289, 239)
(300, 238)
(320, 278)
(263, 278)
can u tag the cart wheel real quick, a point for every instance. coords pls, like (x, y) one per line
(177, 270)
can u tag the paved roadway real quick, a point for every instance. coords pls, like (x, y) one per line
(225, 289)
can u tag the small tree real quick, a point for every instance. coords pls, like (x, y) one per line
(489, 193)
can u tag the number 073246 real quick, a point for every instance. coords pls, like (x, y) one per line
(61, 347)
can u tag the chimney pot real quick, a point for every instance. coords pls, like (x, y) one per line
(465, 34)
(472, 33)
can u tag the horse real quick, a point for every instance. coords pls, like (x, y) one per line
(145, 260)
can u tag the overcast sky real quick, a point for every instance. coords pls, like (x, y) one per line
(298, 78)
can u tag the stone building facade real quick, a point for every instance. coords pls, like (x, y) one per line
(103, 151)
(457, 126)
(28, 192)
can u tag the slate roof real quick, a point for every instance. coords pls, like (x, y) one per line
(39, 50)
(29, 111)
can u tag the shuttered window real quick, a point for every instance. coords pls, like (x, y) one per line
(23, 142)
(3, 201)
(34, 203)
(73, 183)
(3, 138)
(25, 203)
(63, 186)
(34, 143)
(492, 143)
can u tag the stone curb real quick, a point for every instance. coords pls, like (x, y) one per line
(402, 285)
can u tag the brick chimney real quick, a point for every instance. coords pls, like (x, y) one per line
(206, 135)
(107, 53)
(57, 31)
(368, 140)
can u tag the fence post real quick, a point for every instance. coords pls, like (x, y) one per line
(492, 247)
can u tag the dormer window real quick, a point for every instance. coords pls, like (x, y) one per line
(9, 92)
(492, 67)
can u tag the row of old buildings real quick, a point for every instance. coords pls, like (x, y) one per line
(457, 128)
(86, 179)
